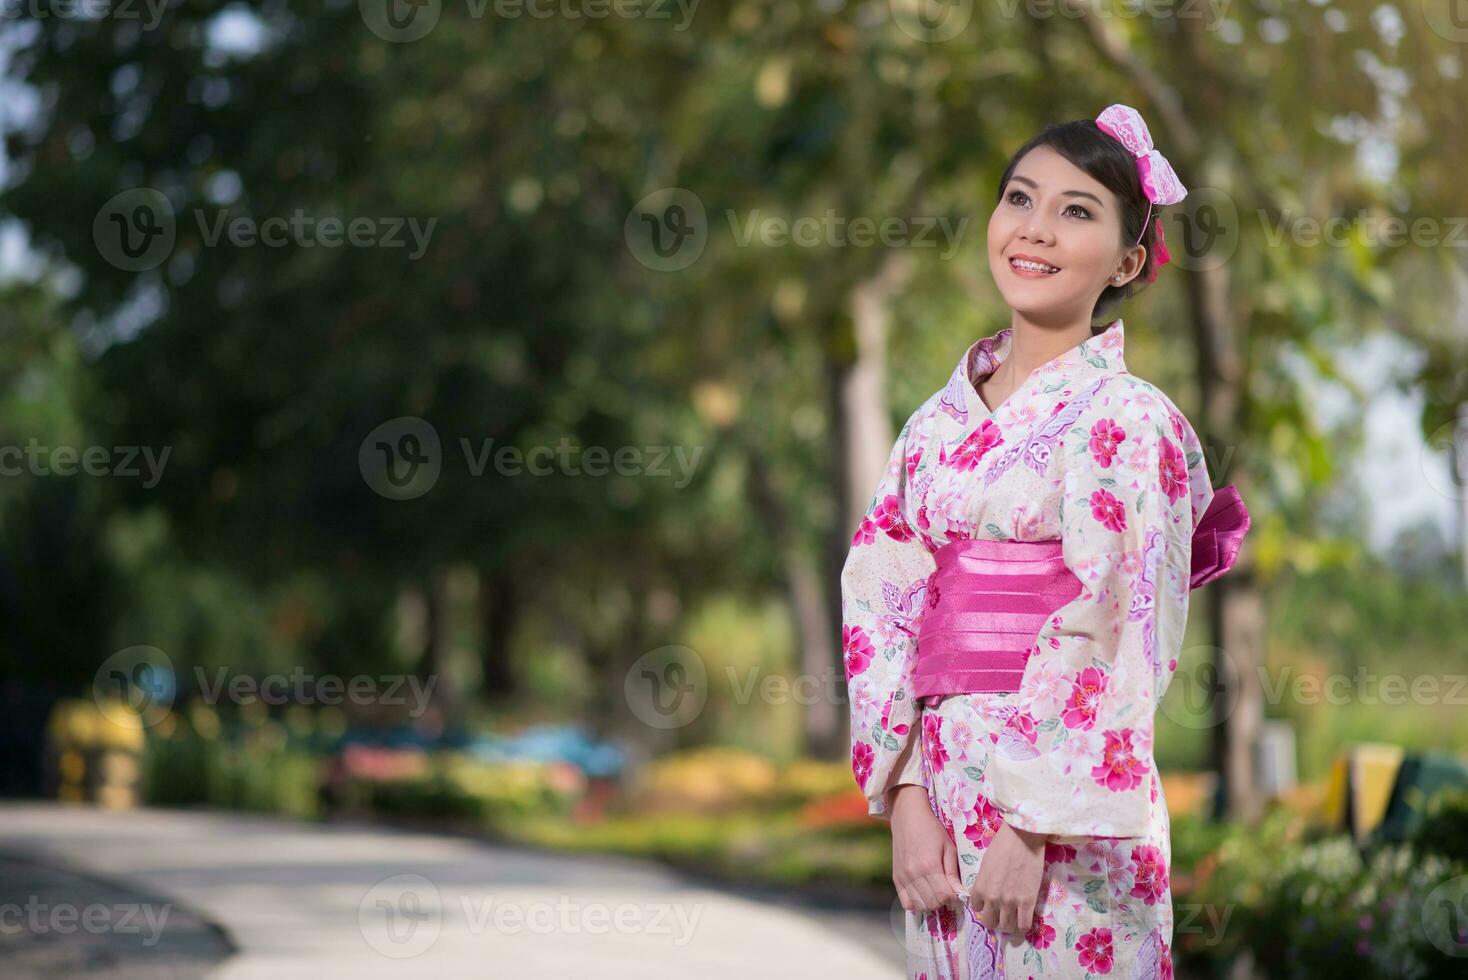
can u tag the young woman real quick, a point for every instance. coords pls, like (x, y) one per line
(1014, 600)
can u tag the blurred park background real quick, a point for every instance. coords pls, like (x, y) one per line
(458, 413)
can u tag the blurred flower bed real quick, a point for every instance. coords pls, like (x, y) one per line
(743, 817)
(311, 764)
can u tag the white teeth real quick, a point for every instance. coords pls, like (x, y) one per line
(1032, 266)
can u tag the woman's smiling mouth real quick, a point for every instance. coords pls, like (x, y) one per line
(1031, 268)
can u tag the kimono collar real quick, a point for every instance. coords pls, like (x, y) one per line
(1098, 354)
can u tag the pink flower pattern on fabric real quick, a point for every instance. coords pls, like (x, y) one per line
(1095, 950)
(1106, 435)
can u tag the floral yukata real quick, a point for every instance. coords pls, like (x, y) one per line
(1085, 453)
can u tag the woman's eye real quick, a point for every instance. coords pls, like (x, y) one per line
(1020, 199)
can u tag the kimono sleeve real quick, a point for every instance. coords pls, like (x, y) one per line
(883, 583)
(1074, 757)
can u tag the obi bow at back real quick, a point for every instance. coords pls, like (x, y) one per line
(1219, 535)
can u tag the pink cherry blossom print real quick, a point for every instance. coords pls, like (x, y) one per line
(987, 822)
(861, 763)
(1064, 853)
(1151, 873)
(1042, 934)
(1108, 510)
(1172, 471)
(1120, 769)
(887, 716)
(856, 650)
(1106, 435)
(1086, 690)
(933, 740)
(1095, 950)
(968, 453)
(888, 517)
(1022, 724)
(943, 922)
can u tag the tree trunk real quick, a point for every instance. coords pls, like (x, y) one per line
(1458, 459)
(823, 732)
(436, 640)
(498, 612)
(1236, 614)
(859, 413)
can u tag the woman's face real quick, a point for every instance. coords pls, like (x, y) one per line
(1054, 213)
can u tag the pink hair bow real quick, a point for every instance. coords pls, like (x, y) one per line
(1159, 181)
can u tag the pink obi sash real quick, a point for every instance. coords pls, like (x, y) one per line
(987, 600)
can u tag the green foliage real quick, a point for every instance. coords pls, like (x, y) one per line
(258, 771)
(1307, 905)
(435, 797)
(1358, 652)
(1444, 827)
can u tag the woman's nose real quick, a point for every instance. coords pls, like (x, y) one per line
(1036, 230)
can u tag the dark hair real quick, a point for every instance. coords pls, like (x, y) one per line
(1102, 156)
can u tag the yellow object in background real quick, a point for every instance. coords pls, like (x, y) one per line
(1360, 786)
(90, 757)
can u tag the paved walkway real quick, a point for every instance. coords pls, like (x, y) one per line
(309, 902)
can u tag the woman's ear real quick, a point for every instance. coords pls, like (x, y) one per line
(1131, 266)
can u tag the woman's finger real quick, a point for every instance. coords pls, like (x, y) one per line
(927, 886)
(984, 912)
(1026, 917)
(1007, 917)
(950, 868)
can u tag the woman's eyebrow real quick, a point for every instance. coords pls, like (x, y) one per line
(1026, 180)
